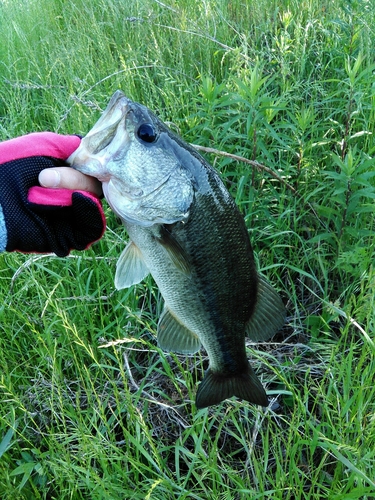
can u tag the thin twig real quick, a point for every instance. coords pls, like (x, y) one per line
(261, 415)
(166, 6)
(79, 99)
(253, 163)
(180, 419)
(202, 35)
(25, 265)
(260, 167)
(34, 258)
(346, 316)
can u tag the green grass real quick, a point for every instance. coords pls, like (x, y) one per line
(90, 408)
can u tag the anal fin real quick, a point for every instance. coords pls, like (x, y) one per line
(174, 336)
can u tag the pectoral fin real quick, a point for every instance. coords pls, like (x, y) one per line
(174, 250)
(174, 336)
(130, 268)
(268, 315)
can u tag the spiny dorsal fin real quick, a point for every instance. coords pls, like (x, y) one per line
(130, 268)
(174, 336)
(268, 315)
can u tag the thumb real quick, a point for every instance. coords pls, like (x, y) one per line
(68, 178)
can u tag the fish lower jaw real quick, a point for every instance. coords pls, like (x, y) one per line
(92, 167)
(103, 178)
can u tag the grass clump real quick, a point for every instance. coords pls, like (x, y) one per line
(91, 409)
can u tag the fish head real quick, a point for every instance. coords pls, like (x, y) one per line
(129, 151)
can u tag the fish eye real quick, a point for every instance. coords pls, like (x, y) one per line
(147, 132)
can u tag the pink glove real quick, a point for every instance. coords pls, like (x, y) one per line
(41, 219)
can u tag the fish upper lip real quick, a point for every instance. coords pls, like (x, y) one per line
(120, 101)
(115, 101)
(106, 127)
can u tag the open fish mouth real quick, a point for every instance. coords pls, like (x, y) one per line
(104, 140)
(105, 128)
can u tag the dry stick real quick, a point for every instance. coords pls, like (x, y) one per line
(151, 398)
(259, 167)
(253, 163)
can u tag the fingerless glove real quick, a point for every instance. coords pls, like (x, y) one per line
(41, 219)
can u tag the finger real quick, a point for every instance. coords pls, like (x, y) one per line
(68, 178)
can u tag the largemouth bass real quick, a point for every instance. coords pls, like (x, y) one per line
(186, 230)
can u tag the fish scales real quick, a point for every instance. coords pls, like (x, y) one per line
(186, 230)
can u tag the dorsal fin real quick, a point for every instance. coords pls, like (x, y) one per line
(268, 315)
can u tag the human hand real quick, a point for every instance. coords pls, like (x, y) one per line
(40, 219)
(68, 178)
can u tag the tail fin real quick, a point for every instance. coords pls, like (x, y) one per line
(216, 387)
